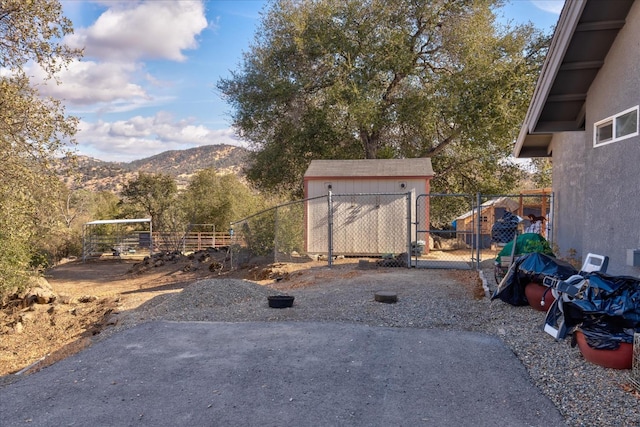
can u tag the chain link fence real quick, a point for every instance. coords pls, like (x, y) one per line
(464, 230)
(329, 228)
(274, 235)
(392, 230)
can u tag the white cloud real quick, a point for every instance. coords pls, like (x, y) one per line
(552, 6)
(113, 77)
(89, 82)
(140, 137)
(132, 31)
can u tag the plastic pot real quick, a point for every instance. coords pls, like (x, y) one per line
(536, 294)
(620, 358)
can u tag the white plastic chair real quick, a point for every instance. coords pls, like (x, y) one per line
(567, 290)
(594, 262)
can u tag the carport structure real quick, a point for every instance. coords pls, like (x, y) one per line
(117, 236)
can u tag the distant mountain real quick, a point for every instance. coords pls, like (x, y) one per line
(97, 175)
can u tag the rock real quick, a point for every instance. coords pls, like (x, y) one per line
(39, 292)
(27, 317)
(215, 266)
(64, 299)
(18, 328)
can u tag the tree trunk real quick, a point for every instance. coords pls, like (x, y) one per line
(370, 143)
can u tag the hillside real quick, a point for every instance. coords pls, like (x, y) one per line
(98, 175)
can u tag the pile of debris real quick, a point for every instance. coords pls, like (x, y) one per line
(212, 259)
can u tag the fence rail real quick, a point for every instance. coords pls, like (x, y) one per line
(190, 242)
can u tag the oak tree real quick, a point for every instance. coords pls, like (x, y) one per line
(348, 79)
(33, 130)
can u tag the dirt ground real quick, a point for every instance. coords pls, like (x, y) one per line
(88, 297)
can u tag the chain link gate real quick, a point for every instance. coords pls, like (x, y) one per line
(461, 230)
(439, 242)
(505, 218)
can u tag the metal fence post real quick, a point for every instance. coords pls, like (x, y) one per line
(550, 220)
(275, 236)
(479, 230)
(330, 229)
(409, 218)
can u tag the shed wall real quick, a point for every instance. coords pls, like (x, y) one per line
(363, 225)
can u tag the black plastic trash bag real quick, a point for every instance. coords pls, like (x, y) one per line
(617, 296)
(533, 267)
(608, 311)
(603, 335)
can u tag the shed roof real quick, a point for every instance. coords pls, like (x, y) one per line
(117, 221)
(419, 167)
(585, 32)
(500, 202)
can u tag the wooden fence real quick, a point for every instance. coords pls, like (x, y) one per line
(190, 242)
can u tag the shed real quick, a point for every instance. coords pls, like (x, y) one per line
(490, 211)
(370, 203)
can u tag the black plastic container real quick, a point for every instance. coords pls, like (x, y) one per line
(280, 301)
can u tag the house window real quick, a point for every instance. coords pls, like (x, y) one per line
(621, 126)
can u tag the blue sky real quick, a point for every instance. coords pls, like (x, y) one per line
(147, 81)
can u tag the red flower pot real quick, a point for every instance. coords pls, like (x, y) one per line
(535, 294)
(620, 358)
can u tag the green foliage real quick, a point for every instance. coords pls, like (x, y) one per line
(289, 228)
(540, 246)
(259, 233)
(154, 196)
(32, 132)
(348, 79)
(542, 172)
(105, 205)
(216, 199)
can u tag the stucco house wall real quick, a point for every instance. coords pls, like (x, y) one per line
(612, 171)
(568, 183)
(596, 189)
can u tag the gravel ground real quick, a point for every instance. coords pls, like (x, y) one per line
(586, 394)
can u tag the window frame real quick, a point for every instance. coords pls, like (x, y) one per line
(612, 121)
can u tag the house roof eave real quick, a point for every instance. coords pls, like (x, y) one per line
(584, 35)
(565, 28)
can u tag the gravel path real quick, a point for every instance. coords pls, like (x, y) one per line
(586, 394)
